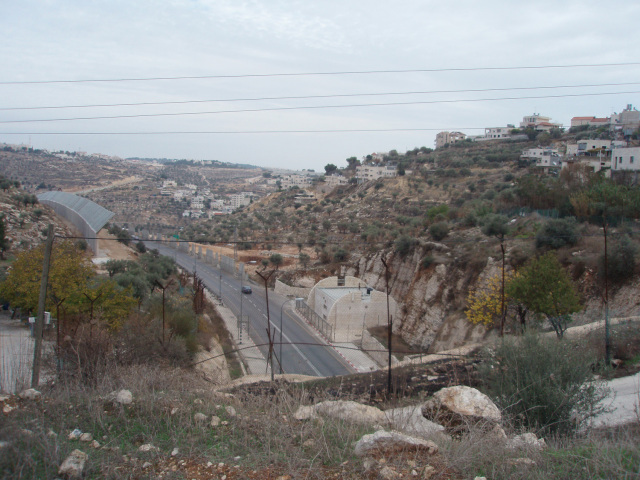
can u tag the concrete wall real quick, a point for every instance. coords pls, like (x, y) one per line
(284, 289)
(376, 350)
(351, 312)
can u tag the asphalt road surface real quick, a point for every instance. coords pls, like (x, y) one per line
(303, 351)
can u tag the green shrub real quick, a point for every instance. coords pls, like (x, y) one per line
(404, 245)
(558, 232)
(621, 262)
(439, 230)
(427, 261)
(544, 383)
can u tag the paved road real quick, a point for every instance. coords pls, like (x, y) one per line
(623, 401)
(300, 352)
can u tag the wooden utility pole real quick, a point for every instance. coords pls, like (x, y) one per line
(389, 321)
(270, 335)
(607, 333)
(37, 351)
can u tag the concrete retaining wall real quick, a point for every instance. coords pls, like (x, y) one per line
(284, 289)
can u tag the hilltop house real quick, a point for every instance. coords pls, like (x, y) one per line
(538, 122)
(446, 138)
(365, 173)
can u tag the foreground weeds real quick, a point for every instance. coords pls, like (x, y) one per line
(259, 438)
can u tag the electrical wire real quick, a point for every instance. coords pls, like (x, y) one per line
(308, 97)
(308, 74)
(313, 107)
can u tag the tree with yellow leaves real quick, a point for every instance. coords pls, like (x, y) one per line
(69, 274)
(485, 304)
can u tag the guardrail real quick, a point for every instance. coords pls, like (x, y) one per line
(316, 320)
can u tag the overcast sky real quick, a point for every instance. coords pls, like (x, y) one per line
(245, 40)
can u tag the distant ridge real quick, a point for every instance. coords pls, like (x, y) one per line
(183, 161)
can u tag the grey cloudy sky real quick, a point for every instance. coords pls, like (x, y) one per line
(77, 40)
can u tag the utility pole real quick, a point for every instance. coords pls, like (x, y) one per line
(607, 335)
(270, 335)
(37, 351)
(389, 321)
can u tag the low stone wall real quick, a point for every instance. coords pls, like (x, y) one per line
(284, 289)
(376, 350)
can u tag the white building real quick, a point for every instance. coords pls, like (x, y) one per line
(197, 203)
(626, 121)
(365, 173)
(625, 159)
(335, 180)
(536, 153)
(239, 200)
(594, 163)
(445, 138)
(288, 181)
(497, 133)
(538, 122)
(583, 147)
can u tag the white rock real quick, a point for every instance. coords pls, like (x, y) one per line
(526, 462)
(526, 441)
(148, 447)
(30, 394)
(351, 412)
(388, 473)
(7, 409)
(175, 452)
(73, 465)
(305, 412)
(86, 437)
(452, 405)
(75, 434)
(410, 420)
(146, 465)
(3, 444)
(4, 398)
(230, 411)
(174, 410)
(382, 439)
(200, 418)
(95, 444)
(215, 421)
(124, 397)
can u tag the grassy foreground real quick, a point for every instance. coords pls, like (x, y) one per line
(259, 438)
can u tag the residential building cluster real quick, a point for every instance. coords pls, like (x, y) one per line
(202, 202)
(624, 123)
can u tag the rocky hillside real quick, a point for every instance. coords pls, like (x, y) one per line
(25, 219)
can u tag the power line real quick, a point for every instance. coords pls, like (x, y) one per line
(307, 97)
(308, 74)
(314, 107)
(221, 132)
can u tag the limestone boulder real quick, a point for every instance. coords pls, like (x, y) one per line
(30, 394)
(526, 441)
(410, 420)
(351, 412)
(73, 465)
(124, 397)
(384, 440)
(458, 407)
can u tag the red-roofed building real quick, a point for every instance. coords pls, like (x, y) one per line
(590, 121)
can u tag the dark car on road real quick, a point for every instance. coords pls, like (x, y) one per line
(246, 289)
